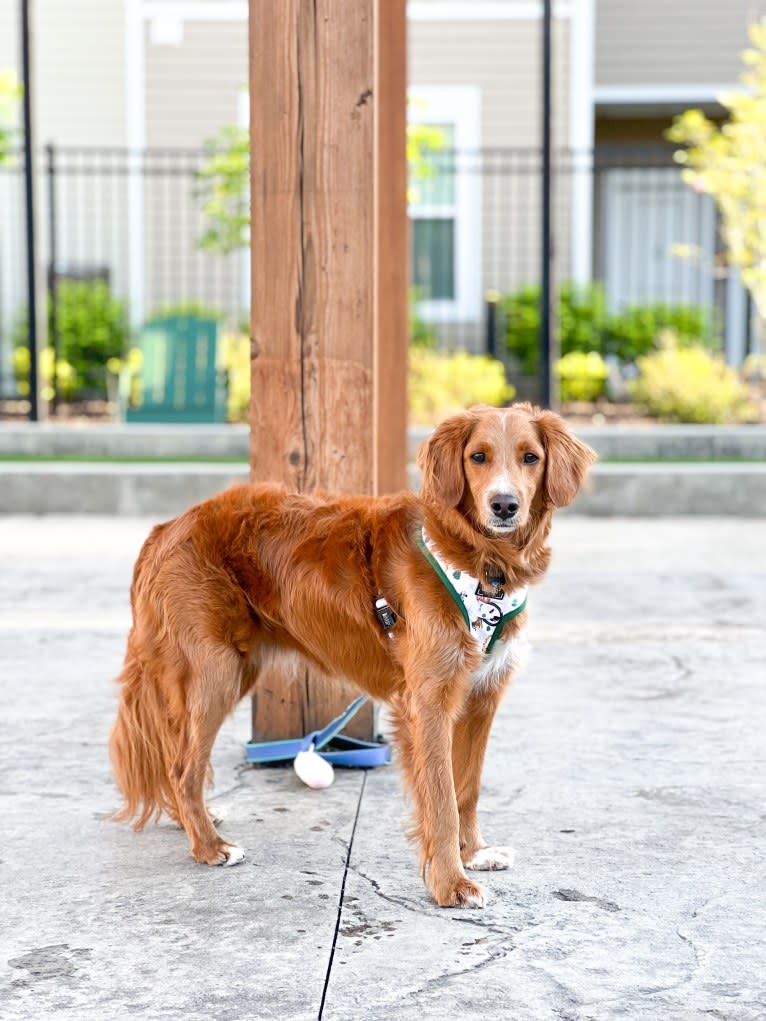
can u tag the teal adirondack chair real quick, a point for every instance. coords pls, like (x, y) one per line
(180, 380)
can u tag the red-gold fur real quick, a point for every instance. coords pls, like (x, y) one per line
(254, 572)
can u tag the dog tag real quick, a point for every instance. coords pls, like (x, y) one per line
(315, 772)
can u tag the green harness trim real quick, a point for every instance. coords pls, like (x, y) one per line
(475, 629)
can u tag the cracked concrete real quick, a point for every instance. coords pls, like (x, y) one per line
(626, 767)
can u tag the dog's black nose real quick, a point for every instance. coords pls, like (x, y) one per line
(504, 505)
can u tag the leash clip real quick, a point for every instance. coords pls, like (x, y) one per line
(385, 615)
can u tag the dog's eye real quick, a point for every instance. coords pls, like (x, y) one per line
(530, 458)
(479, 457)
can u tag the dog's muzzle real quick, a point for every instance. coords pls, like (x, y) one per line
(504, 508)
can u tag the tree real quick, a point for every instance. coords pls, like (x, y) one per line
(729, 163)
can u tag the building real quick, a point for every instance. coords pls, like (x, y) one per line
(129, 91)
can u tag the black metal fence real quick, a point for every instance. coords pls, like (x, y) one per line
(621, 216)
(130, 219)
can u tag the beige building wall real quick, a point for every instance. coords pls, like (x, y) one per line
(80, 68)
(672, 42)
(193, 88)
(503, 60)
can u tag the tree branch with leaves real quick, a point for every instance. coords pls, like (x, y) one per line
(729, 163)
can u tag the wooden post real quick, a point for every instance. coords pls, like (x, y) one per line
(329, 277)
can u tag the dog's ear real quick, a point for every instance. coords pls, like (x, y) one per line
(567, 459)
(441, 460)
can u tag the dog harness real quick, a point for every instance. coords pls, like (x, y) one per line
(485, 611)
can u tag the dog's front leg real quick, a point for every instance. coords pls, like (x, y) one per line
(469, 744)
(425, 737)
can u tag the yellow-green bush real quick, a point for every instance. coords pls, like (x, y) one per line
(66, 376)
(234, 359)
(440, 384)
(583, 375)
(690, 385)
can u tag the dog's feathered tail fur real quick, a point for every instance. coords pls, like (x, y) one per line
(144, 748)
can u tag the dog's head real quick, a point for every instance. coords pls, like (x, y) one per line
(496, 464)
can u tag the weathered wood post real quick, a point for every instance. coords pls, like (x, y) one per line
(329, 276)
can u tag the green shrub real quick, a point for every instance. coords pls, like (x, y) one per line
(689, 384)
(633, 332)
(440, 384)
(521, 312)
(582, 321)
(584, 324)
(187, 308)
(92, 327)
(583, 375)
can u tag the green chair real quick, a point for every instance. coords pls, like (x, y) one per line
(179, 377)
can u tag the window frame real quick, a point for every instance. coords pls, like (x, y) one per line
(458, 105)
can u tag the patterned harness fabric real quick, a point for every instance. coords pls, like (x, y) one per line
(485, 612)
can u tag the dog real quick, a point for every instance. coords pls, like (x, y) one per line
(257, 577)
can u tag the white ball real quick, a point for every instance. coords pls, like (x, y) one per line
(313, 770)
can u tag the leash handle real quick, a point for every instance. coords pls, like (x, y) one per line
(352, 751)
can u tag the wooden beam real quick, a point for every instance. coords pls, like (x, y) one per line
(329, 285)
(392, 276)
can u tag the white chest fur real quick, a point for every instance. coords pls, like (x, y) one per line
(505, 658)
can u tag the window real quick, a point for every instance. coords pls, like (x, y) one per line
(445, 203)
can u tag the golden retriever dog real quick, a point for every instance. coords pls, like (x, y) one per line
(257, 576)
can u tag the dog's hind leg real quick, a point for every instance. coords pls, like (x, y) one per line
(212, 693)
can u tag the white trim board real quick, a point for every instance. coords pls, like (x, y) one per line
(459, 105)
(485, 10)
(692, 93)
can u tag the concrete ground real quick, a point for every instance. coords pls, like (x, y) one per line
(626, 766)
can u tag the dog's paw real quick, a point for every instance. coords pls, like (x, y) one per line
(221, 853)
(462, 894)
(490, 859)
(234, 854)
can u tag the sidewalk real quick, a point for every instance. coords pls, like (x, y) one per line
(626, 767)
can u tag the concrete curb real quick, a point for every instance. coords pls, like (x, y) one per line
(612, 442)
(125, 489)
(139, 440)
(640, 490)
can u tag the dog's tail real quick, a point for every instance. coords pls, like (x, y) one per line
(143, 747)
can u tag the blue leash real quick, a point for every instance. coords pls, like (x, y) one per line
(348, 751)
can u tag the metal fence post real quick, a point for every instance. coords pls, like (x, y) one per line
(29, 202)
(491, 301)
(50, 170)
(545, 273)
